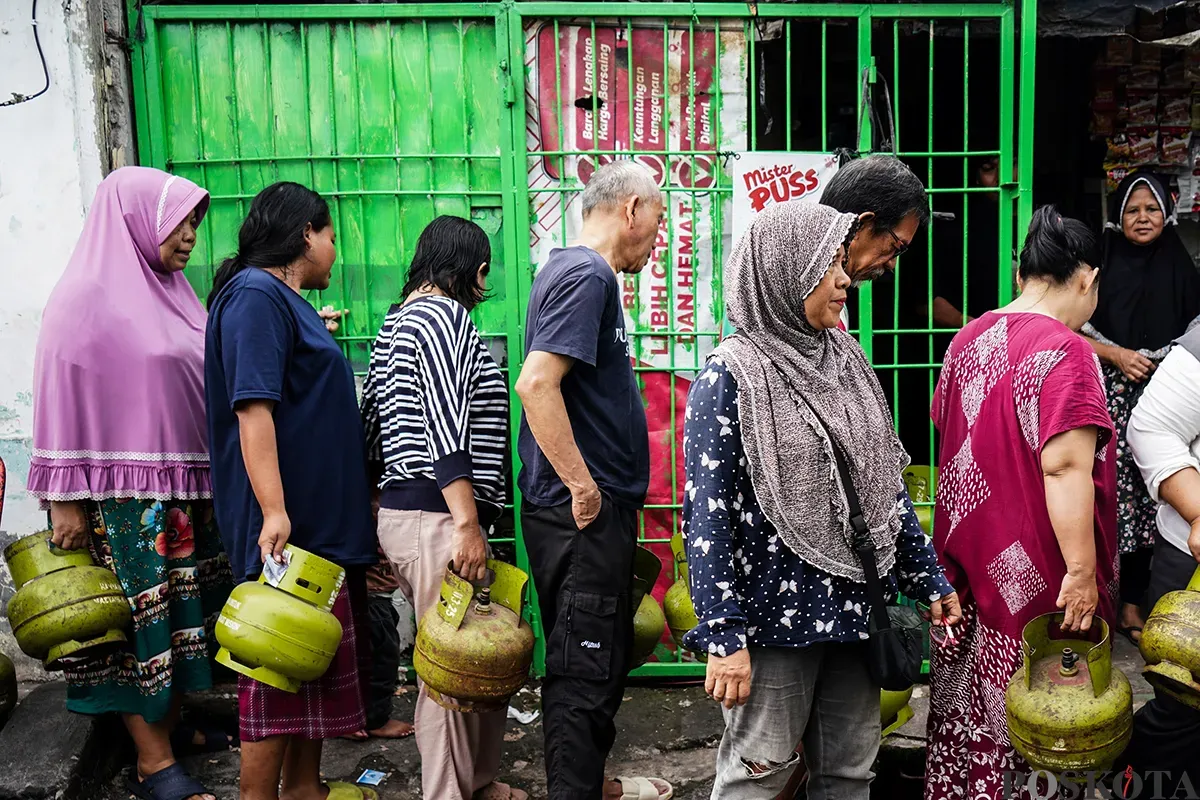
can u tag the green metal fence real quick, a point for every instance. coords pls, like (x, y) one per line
(398, 113)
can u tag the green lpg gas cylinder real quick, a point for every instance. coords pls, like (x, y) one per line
(473, 649)
(894, 709)
(1171, 644)
(677, 602)
(677, 606)
(1068, 707)
(65, 606)
(648, 620)
(648, 626)
(918, 479)
(281, 630)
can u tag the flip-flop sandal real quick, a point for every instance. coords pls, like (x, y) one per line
(645, 789)
(216, 739)
(172, 783)
(339, 790)
(1127, 632)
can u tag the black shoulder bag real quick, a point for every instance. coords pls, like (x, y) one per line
(895, 643)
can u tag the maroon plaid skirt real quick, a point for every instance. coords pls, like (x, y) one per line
(331, 706)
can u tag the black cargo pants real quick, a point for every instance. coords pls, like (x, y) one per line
(583, 580)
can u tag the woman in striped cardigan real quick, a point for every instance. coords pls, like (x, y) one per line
(435, 408)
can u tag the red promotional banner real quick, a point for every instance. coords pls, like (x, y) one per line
(673, 99)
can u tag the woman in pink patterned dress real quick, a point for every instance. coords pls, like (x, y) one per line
(1026, 506)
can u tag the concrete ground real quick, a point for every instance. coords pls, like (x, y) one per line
(665, 731)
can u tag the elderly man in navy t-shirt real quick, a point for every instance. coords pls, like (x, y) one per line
(586, 467)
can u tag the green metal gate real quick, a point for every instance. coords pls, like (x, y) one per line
(397, 113)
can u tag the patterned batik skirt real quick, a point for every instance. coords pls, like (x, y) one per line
(332, 705)
(969, 751)
(168, 558)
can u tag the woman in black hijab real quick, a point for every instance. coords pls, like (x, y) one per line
(1149, 295)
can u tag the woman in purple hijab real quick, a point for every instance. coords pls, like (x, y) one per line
(121, 458)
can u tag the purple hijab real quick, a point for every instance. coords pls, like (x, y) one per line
(119, 375)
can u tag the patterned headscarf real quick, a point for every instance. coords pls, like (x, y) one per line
(786, 370)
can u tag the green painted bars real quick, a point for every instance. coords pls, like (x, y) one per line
(399, 112)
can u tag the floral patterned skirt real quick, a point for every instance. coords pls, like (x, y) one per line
(169, 561)
(1135, 510)
(969, 751)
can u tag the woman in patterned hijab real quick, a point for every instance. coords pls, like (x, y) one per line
(777, 587)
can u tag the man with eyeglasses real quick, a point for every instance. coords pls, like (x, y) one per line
(892, 207)
(891, 204)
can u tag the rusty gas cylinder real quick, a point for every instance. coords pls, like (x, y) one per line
(65, 606)
(1068, 707)
(473, 650)
(1171, 644)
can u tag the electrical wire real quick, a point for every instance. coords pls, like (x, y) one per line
(20, 98)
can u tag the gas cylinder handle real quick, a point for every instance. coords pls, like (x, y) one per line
(455, 598)
(1037, 643)
(1099, 659)
(679, 550)
(508, 589)
(1193, 584)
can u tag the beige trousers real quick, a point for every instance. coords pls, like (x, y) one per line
(460, 753)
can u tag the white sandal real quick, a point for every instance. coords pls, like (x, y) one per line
(645, 789)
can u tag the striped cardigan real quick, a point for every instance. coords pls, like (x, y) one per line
(435, 404)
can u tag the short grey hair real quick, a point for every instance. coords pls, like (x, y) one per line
(616, 182)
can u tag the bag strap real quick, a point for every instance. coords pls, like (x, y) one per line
(863, 546)
(862, 539)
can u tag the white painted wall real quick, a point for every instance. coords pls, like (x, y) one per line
(50, 165)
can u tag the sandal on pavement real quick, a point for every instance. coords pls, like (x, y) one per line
(216, 740)
(645, 789)
(339, 790)
(500, 791)
(170, 783)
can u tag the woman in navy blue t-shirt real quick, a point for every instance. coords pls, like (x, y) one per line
(288, 465)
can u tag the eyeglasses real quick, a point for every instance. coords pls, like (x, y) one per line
(897, 246)
(941, 635)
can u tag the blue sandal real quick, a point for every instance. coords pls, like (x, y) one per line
(172, 783)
